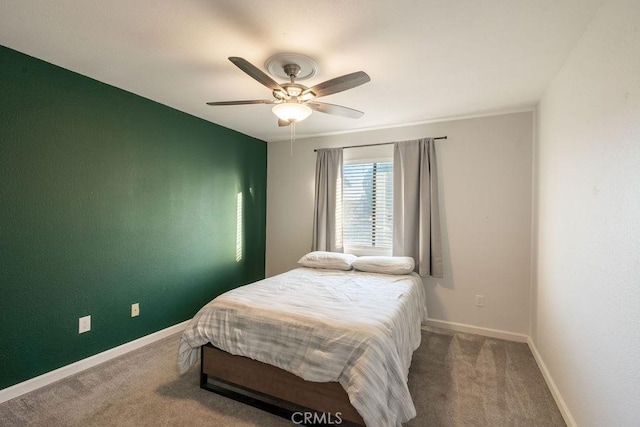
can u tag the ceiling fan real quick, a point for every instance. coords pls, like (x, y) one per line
(295, 102)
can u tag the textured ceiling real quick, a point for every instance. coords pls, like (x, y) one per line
(428, 60)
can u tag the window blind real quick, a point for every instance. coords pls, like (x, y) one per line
(367, 195)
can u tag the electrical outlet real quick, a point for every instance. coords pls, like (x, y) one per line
(135, 310)
(84, 324)
(479, 300)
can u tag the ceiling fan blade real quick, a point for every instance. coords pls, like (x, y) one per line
(282, 123)
(337, 110)
(257, 101)
(256, 73)
(348, 81)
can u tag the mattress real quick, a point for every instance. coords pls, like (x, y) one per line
(359, 329)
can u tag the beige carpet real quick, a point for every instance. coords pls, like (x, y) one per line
(455, 380)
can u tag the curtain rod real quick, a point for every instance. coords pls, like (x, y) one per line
(381, 143)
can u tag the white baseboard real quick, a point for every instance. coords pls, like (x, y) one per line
(562, 406)
(478, 330)
(68, 370)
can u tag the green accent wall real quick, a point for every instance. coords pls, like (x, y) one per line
(108, 199)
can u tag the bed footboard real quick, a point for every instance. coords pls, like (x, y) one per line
(275, 390)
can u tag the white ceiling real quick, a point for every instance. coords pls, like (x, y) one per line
(428, 59)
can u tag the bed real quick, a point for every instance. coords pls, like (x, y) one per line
(336, 342)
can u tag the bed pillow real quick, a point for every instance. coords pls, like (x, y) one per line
(385, 264)
(331, 260)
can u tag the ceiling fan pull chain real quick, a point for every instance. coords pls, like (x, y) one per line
(293, 135)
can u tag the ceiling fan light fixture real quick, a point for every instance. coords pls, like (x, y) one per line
(292, 111)
(293, 101)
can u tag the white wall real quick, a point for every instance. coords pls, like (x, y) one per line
(485, 180)
(586, 312)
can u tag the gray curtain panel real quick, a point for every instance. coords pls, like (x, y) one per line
(416, 217)
(327, 208)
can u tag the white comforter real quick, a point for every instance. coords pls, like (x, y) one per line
(359, 329)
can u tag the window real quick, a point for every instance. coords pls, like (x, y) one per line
(367, 197)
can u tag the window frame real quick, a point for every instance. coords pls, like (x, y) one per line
(358, 249)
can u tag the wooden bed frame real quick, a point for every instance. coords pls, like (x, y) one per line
(275, 390)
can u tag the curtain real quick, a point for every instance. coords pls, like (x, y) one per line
(327, 207)
(416, 217)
